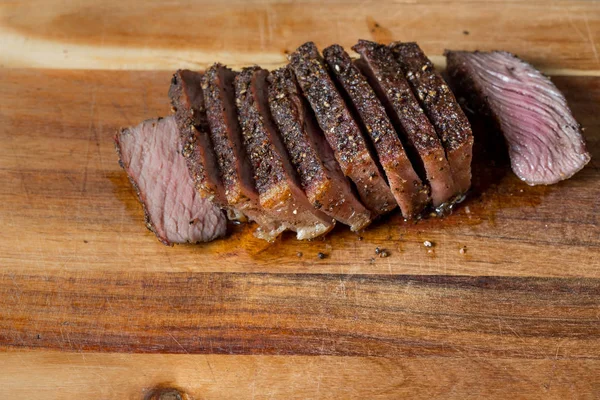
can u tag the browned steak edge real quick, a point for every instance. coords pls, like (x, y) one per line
(409, 191)
(217, 85)
(291, 125)
(440, 105)
(277, 182)
(187, 100)
(236, 171)
(421, 142)
(267, 165)
(341, 130)
(325, 184)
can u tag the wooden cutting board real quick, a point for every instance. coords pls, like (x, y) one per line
(92, 306)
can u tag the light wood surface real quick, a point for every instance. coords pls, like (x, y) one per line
(558, 36)
(84, 286)
(57, 376)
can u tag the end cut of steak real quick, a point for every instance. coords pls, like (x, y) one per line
(322, 179)
(544, 140)
(341, 130)
(280, 192)
(387, 79)
(175, 212)
(408, 189)
(226, 135)
(444, 112)
(187, 101)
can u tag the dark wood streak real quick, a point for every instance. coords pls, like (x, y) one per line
(304, 314)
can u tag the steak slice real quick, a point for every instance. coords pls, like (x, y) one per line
(545, 142)
(425, 149)
(226, 135)
(341, 130)
(187, 101)
(150, 155)
(440, 105)
(280, 192)
(321, 177)
(408, 189)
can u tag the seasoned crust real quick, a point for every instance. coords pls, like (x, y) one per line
(440, 105)
(341, 130)
(277, 182)
(267, 163)
(324, 183)
(235, 167)
(425, 149)
(187, 101)
(408, 189)
(217, 84)
(289, 113)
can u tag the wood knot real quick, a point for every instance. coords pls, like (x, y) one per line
(167, 393)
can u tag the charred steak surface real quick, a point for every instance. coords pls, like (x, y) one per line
(440, 105)
(341, 130)
(425, 149)
(408, 189)
(321, 177)
(234, 164)
(279, 188)
(187, 101)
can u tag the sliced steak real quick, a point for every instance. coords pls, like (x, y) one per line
(341, 130)
(440, 105)
(234, 164)
(187, 101)
(279, 188)
(323, 181)
(544, 140)
(174, 211)
(425, 149)
(408, 189)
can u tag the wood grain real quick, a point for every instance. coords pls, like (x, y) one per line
(68, 206)
(141, 34)
(302, 314)
(64, 376)
(516, 316)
